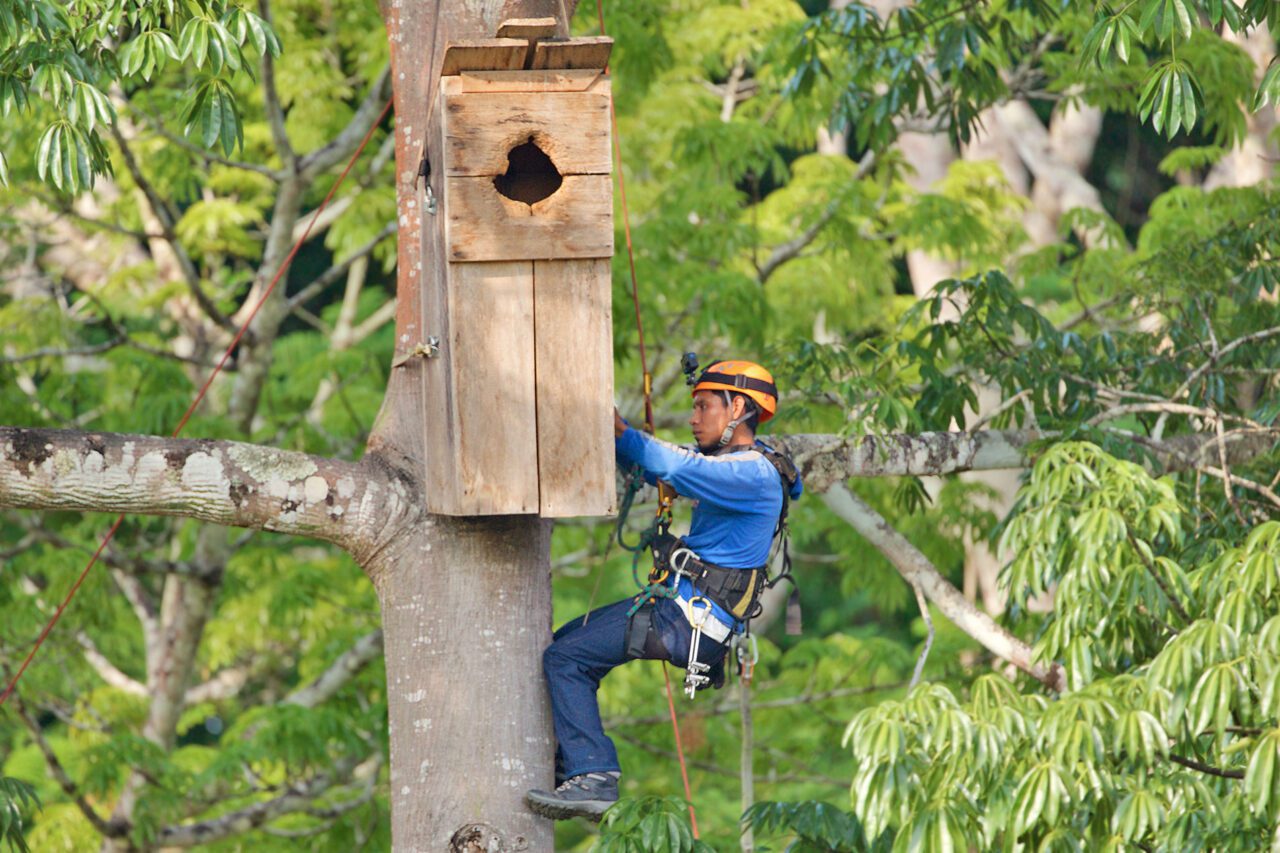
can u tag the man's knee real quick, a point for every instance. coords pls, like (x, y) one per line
(555, 658)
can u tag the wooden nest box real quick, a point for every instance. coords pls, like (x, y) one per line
(517, 241)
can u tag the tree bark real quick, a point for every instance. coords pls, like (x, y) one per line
(355, 505)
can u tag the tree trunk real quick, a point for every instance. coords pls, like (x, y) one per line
(466, 613)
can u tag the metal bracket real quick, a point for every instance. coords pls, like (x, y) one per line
(424, 175)
(431, 349)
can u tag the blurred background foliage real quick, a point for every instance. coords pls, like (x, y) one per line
(844, 192)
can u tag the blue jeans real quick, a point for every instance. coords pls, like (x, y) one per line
(581, 655)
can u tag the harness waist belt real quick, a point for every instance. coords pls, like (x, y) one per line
(736, 590)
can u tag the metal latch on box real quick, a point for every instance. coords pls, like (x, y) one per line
(430, 349)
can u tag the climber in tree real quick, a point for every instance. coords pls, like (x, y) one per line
(707, 584)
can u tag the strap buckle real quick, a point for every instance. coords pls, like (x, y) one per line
(679, 560)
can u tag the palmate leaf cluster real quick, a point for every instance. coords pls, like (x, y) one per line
(1166, 738)
(16, 797)
(59, 62)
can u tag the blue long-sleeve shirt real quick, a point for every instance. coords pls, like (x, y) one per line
(736, 500)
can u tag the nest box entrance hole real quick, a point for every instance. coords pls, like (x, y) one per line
(530, 175)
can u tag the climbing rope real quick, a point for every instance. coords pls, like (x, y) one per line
(204, 389)
(666, 496)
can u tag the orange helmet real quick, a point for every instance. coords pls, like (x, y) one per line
(742, 377)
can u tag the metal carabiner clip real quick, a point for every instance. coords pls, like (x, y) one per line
(698, 613)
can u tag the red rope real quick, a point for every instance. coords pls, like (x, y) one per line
(684, 771)
(648, 400)
(204, 389)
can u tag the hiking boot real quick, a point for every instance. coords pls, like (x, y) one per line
(585, 795)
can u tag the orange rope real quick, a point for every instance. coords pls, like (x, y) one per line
(204, 389)
(631, 257)
(664, 502)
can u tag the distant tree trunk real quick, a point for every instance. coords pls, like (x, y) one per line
(1253, 160)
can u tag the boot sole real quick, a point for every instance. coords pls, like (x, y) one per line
(557, 809)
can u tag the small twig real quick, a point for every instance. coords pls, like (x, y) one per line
(1192, 764)
(1252, 486)
(271, 100)
(109, 829)
(168, 221)
(999, 410)
(928, 640)
(1164, 587)
(792, 248)
(55, 352)
(336, 271)
(156, 124)
(1088, 313)
(1171, 408)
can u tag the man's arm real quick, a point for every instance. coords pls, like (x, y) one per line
(721, 480)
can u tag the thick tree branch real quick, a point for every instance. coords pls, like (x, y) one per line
(916, 570)
(825, 460)
(224, 685)
(373, 323)
(107, 670)
(345, 142)
(223, 482)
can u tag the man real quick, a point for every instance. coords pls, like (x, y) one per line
(738, 486)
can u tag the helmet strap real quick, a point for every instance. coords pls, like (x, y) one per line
(727, 435)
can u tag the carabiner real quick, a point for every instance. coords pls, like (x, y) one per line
(696, 619)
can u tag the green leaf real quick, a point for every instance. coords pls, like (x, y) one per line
(1269, 89)
(1261, 781)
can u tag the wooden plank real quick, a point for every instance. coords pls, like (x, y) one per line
(527, 28)
(561, 80)
(574, 359)
(492, 341)
(442, 481)
(588, 52)
(576, 221)
(481, 54)
(572, 128)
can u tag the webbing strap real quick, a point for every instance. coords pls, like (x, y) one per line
(738, 380)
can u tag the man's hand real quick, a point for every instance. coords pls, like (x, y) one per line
(619, 425)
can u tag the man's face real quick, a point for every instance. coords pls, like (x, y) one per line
(709, 419)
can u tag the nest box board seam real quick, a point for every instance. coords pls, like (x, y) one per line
(518, 285)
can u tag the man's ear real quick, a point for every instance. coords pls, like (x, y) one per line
(739, 407)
